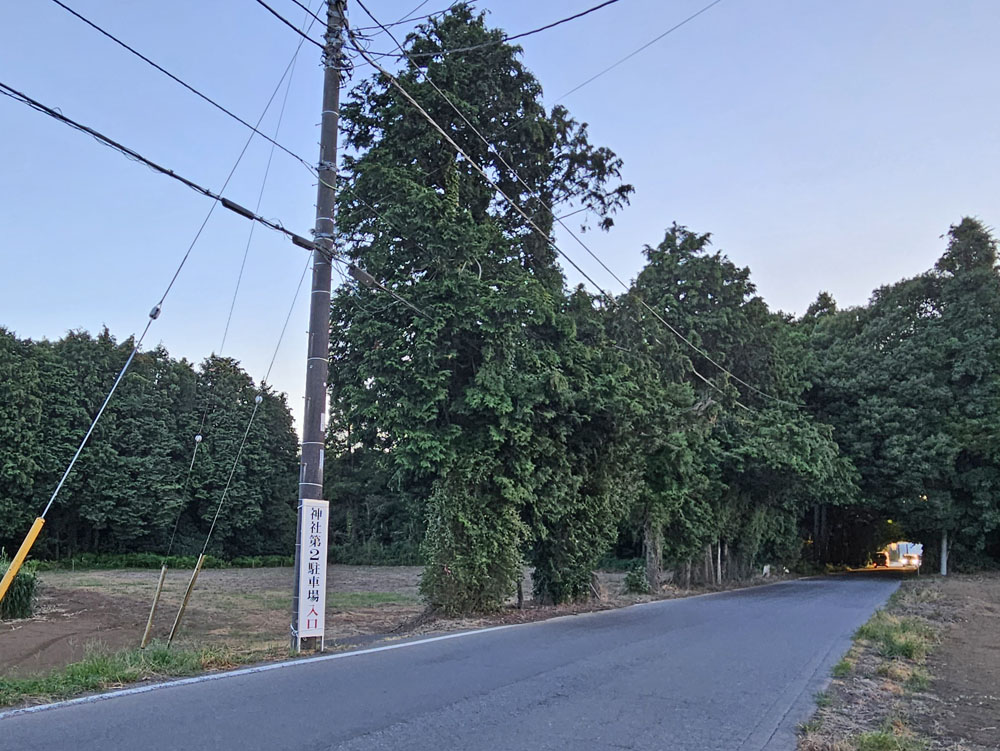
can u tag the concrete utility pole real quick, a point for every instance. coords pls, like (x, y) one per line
(314, 420)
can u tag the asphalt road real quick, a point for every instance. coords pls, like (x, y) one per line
(731, 671)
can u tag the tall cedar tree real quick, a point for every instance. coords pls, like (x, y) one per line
(480, 406)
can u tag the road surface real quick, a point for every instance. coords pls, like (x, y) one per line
(731, 671)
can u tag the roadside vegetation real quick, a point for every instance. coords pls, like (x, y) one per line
(104, 670)
(891, 692)
(20, 599)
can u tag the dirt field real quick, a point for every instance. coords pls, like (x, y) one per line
(965, 668)
(248, 608)
(243, 608)
(949, 700)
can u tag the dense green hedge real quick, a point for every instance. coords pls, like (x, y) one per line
(151, 560)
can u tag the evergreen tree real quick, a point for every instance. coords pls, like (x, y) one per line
(476, 402)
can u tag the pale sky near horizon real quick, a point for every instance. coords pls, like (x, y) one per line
(826, 145)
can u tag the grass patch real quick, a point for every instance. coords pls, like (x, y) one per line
(367, 599)
(843, 668)
(919, 680)
(898, 636)
(107, 670)
(887, 739)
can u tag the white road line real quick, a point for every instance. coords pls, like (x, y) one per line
(242, 671)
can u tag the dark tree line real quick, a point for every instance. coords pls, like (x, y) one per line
(131, 485)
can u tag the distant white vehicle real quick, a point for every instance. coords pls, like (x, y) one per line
(904, 553)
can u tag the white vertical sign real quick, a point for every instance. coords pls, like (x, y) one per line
(312, 567)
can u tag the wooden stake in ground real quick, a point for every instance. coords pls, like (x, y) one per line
(152, 610)
(187, 596)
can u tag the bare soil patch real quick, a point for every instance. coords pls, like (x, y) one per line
(245, 608)
(965, 668)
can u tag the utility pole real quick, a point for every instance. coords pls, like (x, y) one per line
(313, 517)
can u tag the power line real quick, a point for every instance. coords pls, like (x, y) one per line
(174, 78)
(504, 39)
(531, 222)
(289, 24)
(260, 198)
(136, 156)
(410, 18)
(310, 12)
(236, 208)
(632, 54)
(155, 312)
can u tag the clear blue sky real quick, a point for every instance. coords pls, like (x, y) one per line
(826, 145)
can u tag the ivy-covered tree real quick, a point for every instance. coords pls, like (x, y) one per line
(478, 400)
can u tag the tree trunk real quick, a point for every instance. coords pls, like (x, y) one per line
(824, 535)
(816, 550)
(687, 575)
(652, 541)
(718, 562)
(944, 552)
(708, 564)
(729, 565)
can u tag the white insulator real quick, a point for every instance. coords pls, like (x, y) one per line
(197, 438)
(259, 399)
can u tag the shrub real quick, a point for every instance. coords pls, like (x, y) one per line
(20, 598)
(635, 580)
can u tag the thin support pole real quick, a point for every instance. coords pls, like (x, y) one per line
(152, 610)
(187, 596)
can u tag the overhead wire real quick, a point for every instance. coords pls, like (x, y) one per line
(534, 225)
(155, 312)
(289, 24)
(410, 18)
(205, 413)
(178, 80)
(512, 37)
(218, 198)
(308, 10)
(648, 44)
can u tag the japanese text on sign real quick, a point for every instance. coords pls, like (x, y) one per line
(312, 567)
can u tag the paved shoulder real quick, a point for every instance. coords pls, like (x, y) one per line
(729, 671)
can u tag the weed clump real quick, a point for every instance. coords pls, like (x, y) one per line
(20, 598)
(898, 636)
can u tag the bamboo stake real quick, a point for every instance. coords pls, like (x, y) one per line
(152, 610)
(187, 596)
